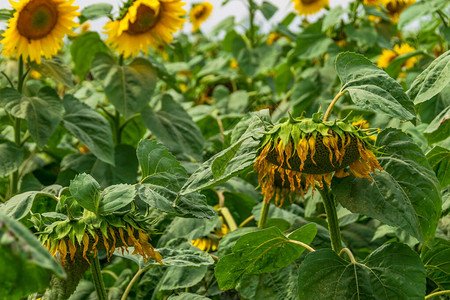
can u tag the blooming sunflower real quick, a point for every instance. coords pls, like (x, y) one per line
(309, 7)
(38, 27)
(395, 7)
(387, 56)
(200, 13)
(300, 152)
(371, 2)
(145, 23)
(210, 243)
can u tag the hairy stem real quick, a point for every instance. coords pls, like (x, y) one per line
(263, 215)
(333, 222)
(330, 107)
(98, 279)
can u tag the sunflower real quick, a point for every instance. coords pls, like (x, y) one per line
(387, 56)
(301, 152)
(199, 13)
(86, 236)
(38, 28)
(145, 23)
(275, 36)
(395, 7)
(309, 7)
(210, 243)
(371, 2)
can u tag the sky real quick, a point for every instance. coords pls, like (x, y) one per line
(235, 8)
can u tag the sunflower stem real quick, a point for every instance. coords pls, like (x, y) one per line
(251, 11)
(133, 281)
(330, 107)
(98, 279)
(440, 293)
(263, 215)
(333, 221)
(117, 129)
(355, 11)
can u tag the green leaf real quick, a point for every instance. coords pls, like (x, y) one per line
(371, 88)
(437, 263)
(10, 158)
(115, 197)
(90, 127)
(187, 296)
(393, 271)
(86, 191)
(260, 252)
(43, 112)
(268, 10)
(191, 257)
(181, 277)
(283, 77)
(418, 10)
(364, 35)
(154, 158)
(395, 66)
(404, 195)
(6, 14)
(439, 159)
(20, 205)
(83, 50)
(312, 45)
(175, 129)
(25, 265)
(95, 11)
(251, 128)
(55, 68)
(332, 18)
(220, 163)
(432, 80)
(439, 128)
(129, 88)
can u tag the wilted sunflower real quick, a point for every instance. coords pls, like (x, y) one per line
(145, 23)
(200, 13)
(395, 7)
(210, 243)
(387, 56)
(309, 7)
(301, 152)
(38, 28)
(77, 239)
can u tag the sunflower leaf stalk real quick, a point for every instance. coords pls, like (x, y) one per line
(264, 213)
(97, 278)
(333, 221)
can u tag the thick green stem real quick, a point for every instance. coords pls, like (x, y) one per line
(333, 222)
(251, 10)
(440, 293)
(98, 279)
(133, 281)
(117, 128)
(263, 215)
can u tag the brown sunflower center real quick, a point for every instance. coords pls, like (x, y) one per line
(396, 7)
(307, 2)
(37, 19)
(146, 18)
(198, 14)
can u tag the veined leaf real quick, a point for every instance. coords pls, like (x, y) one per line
(439, 159)
(115, 197)
(86, 191)
(439, 128)
(437, 263)
(393, 271)
(55, 68)
(20, 205)
(10, 158)
(371, 88)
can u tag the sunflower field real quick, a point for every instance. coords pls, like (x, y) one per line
(154, 157)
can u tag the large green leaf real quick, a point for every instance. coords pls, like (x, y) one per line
(115, 197)
(25, 265)
(393, 271)
(181, 277)
(312, 45)
(187, 296)
(262, 251)
(90, 127)
(43, 112)
(332, 18)
(404, 195)
(20, 205)
(129, 87)
(175, 129)
(250, 130)
(439, 159)
(10, 158)
(432, 80)
(83, 50)
(55, 68)
(439, 128)
(371, 88)
(437, 263)
(162, 178)
(420, 9)
(86, 191)
(95, 11)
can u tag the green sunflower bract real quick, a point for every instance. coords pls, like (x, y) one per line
(299, 152)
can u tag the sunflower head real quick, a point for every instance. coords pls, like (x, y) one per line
(395, 7)
(387, 56)
(144, 24)
(301, 152)
(200, 13)
(78, 239)
(38, 27)
(371, 2)
(309, 7)
(210, 243)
